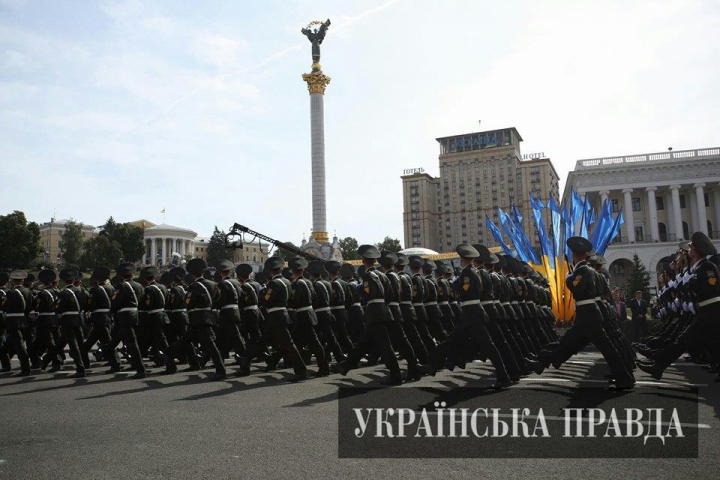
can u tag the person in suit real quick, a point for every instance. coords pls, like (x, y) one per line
(638, 306)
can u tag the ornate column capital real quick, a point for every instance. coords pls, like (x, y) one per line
(651, 189)
(674, 187)
(699, 185)
(316, 82)
(604, 192)
(627, 190)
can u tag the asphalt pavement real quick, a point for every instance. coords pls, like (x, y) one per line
(263, 427)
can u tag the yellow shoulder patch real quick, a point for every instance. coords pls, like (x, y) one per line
(577, 280)
(712, 281)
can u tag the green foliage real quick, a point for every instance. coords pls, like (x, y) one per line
(389, 244)
(101, 252)
(131, 239)
(71, 243)
(348, 247)
(19, 241)
(638, 279)
(216, 248)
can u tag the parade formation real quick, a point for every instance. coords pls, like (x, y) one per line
(492, 308)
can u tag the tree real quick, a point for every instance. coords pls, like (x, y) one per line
(71, 242)
(389, 244)
(348, 248)
(285, 254)
(638, 279)
(19, 241)
(216, 249)
(101, 252)
(131, 238)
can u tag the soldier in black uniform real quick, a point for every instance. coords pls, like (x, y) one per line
(419, 293)
(443, 294)
(471, 333)
(99, 305)
(125, 308)
(229, 293)
(338, 308)
(434, 314)
(321, 305)
(275, 330)
(356, 314)
(179, 320)
(4, 358)
(375, 291)
(249, 302)
(409, 315)
(156, 320)
(588, 319)
(199, 303)
(704, 330)
(69, 304)
(17, 306)
(46, 326)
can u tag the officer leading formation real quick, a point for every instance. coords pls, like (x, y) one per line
(492, 308)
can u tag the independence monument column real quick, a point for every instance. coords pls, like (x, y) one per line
(316, 82)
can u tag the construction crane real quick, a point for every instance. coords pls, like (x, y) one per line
(238, 230)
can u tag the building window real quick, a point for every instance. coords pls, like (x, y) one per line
(639, 234)
(636, 204)
(662, 231)
(686, 231)
(615, 206)
(618, 269)
(682, 202)
(660, 203)
(707, 200)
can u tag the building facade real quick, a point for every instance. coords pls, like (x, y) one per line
(479, 173)
(665, 197)
(51, 238)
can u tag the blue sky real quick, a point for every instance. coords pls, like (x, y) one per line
(125, 108)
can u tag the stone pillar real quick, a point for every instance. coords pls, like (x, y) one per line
(653, 217)
(701, 210)
(670, 226)
(693, 222)
(629, 217)
(153, 252)
(317, 81)
(604, 195)
(677, 213)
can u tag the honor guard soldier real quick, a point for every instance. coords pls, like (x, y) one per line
(4, 358)
(434, 314)
(443, 293)
(302, 295)
(338, 298)
(46, 326)
(419, 293)
(125, 307)
(375, 291)
(321, 305)
(356, 322)
(17, 306)
(69, 305)
(275, 330)
(199, 304)
(471, 333)
(156, 320)
(228, 299)
(99, 304)
(179, 320)
(410, 323)
(588, 325)
(249, 304)
(704, 329)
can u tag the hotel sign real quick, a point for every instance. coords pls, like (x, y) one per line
(412, 171)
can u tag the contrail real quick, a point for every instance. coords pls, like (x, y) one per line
(274, 56)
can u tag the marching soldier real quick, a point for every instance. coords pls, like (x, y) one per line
(69, 305)
(199, 304)
(125, 307)
(249, 304)
(17, 306)
(47, 324)
(419, 293)
(155, 319)
(356, 323)
(99, 305)
(179, 320)
(338, 299)
(229, 293)
(322, 307)
(409, 315)
(434, 314)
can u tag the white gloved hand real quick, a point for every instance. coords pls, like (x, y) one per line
(685, 307)
(691, 307)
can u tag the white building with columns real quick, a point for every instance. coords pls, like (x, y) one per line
(665, 197)
(161, 241)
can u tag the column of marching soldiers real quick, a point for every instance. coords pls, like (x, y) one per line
(491, 307)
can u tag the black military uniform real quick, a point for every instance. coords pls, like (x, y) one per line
(99, 305)
(443, 296)
(199, 304)
(356, 314)
(46, 326)
(419, 293)
(375, 292)
(338, 308)
(249, 303)
(156, 319)
(227, 301)
(125, 308)
(704, 330)
(275, 329)
(588, 320)
(17, 306)
(322, 307)
(407, 310)
(4, 358)
(471, 333)
(434, 314)
(69, 305)
(179, 320)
